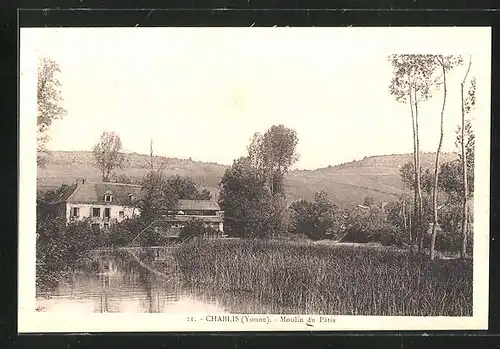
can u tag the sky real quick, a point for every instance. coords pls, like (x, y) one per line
(202, 93)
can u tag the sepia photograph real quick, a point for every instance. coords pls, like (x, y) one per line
(243, 179)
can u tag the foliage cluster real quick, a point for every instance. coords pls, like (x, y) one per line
(252, 192)
(61, 247)
(197, 229)
(49, 100)
(160, 193)
(318, 219)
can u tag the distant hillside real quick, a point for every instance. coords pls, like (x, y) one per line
(347, 184)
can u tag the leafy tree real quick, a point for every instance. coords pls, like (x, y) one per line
(155, 195)
(451, 180)
(315, 219)
(245, 199)
(412, 82)
(428, 179)
(446, 63)
(370, 225)
(49, 107)
(468, 104)
(159, 193)
(186, 188)
(407, 172)
(273, 153)
(108, 154)
(252, 189)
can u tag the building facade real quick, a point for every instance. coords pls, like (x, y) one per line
(102, 203)
(107, 203)
(207, 211)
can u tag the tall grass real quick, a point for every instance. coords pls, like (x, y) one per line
(296, 277)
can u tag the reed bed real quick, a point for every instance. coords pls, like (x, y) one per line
(305, 278)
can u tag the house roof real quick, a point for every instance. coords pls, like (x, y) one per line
(198, 205)
(90, 192)
(63, 195)
(181, 218)
(94, 192)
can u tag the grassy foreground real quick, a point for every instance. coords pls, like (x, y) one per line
(339, 280)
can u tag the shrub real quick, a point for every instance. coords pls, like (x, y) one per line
(122, 233)
(61, 247)
(318, 219)
(369, 225)
(196, 228)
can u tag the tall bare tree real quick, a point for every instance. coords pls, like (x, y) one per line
(411, 83)
(108, 154)
(151, 161)
(445, 63)
(468, 103)
(49, 101)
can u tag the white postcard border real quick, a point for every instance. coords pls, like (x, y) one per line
(31, 321)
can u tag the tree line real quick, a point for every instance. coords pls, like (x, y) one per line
(415, 78)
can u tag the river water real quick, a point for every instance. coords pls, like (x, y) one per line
(121, 285)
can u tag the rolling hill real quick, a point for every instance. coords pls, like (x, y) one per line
(346, 184)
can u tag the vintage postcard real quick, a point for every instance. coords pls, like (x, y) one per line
(254, 179)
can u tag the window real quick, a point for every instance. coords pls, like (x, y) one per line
(95, 226)
(121, 214)
(106, 225)
(107, 212)
(96, 212)
(75, 212)
(107, 197)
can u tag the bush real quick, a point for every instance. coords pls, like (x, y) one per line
(390, 236)
(318, 219)
(60, 247)
(136, 232)
(122, 233)
(369, 225)
(196, 228)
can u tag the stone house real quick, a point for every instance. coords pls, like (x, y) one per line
(103, 203)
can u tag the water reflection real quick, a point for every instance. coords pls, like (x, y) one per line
(119, 284)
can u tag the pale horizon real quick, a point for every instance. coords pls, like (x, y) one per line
(201, 93)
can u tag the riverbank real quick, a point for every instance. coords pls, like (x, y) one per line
(332, 279)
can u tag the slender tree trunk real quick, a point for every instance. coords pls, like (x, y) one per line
(436, 170)
(403, 212)
(415, 206)
(419, 187)
(410, 225)
(465, 193)
(151, 155)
